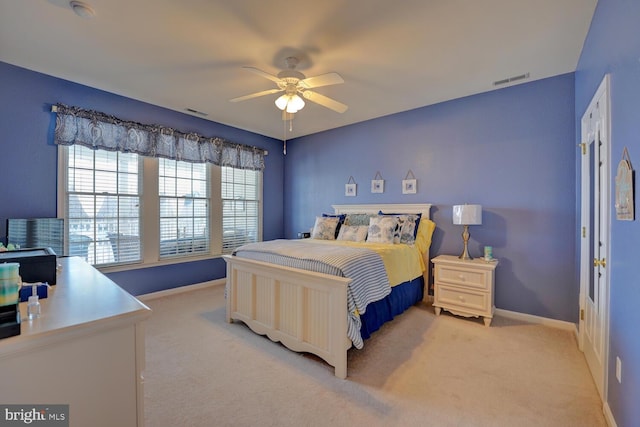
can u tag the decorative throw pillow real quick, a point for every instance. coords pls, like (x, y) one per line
(340, 217)
(382, 229)
(353, 233)
(358, 219)
(325, 228)
(407, 227)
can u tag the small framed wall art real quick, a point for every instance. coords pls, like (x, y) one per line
(377, 184)
(624, 189)
(409, 183)
(350, 188)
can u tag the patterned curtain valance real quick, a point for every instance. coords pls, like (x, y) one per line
(97, 130)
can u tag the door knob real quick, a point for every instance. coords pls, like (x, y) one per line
(600, 262)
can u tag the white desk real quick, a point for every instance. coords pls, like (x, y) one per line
(85, 350)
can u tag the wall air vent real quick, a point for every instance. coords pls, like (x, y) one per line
(511, 79)
(192, 111)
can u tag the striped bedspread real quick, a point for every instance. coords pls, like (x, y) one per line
(363, 266)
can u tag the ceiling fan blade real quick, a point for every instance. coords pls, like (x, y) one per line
(263, 74)
(321, 80)
(255, 95)
(325, 101)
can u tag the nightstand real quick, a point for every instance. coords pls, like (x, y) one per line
(464, 287)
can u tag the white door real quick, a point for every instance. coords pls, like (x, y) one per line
(594, 247)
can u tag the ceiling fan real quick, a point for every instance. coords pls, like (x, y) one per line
(293, 83)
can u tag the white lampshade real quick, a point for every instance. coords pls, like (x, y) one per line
(295, 103)
(290, 103)
(282, 102)
(467, 214)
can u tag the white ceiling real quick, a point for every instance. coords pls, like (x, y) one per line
(393, 55)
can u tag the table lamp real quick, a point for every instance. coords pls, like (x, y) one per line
(467, 215)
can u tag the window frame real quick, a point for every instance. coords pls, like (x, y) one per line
(150, 214)
(258, 201)
(63, 161)
(206, 198)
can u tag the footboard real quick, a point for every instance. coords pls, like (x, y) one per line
(304, 310)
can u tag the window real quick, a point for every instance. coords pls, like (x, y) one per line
(240, 207)
(184, 211)
(122, 208)
(103, 205)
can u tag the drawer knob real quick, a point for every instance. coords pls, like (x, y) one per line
(461, 298)
(461, 277)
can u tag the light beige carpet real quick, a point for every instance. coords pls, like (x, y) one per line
(418, 370)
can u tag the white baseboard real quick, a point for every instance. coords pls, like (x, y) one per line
(608, 416)
(530, 318)
(181, 289)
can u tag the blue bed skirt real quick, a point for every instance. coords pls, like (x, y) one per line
(401, 298)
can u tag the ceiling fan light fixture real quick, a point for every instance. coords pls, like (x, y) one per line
(293, 86)
(290, 103)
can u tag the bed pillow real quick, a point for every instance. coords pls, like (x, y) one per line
(325, 228)
(358, 219)
(382, 229)
(425, 233)
(340, 217)
(407, 227)
(353, 233)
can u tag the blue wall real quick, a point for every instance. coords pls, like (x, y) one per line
(28, 161)
(613, 46)
(510, 150)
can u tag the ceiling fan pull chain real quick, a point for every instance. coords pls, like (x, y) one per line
(284, 141)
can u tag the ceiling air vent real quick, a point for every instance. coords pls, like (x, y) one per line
(511, 79)
(192, 111)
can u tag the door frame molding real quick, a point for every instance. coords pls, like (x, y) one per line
(586, 263)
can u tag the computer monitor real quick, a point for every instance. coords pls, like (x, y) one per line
(37, 233)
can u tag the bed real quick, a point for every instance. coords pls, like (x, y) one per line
(314, 311)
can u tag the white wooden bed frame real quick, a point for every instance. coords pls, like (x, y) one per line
(304, 310)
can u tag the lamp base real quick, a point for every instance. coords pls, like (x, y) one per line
(465, 255)
(465, 237)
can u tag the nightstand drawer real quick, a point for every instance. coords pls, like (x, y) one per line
(460, 276)
(451, 297)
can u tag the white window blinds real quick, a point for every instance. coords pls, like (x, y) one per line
(103, 205)
(240, 207)
(184, 208)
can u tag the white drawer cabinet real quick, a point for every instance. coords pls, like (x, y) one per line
(86, 350)
(464, 287)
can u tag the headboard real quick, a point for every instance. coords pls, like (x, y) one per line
(412, 208)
